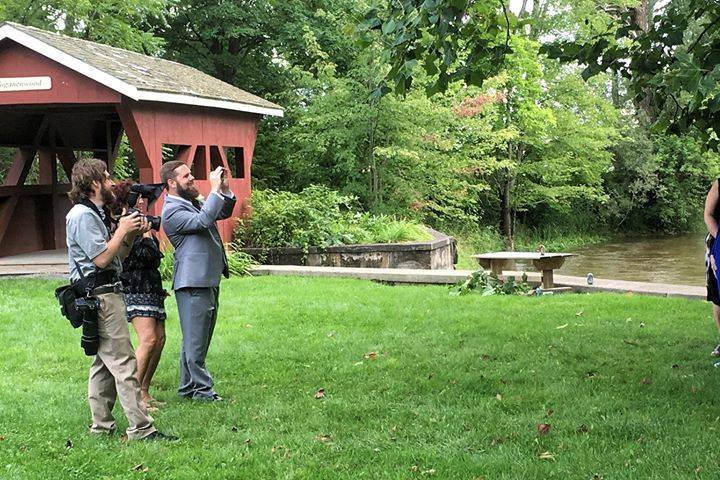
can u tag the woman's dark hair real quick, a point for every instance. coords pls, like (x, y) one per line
(121, 189)
(84, 173)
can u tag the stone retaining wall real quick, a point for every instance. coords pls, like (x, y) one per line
(440, 253)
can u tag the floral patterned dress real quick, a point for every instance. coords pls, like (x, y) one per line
(144, 293)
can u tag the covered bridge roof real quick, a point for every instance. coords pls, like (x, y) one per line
(137, 76)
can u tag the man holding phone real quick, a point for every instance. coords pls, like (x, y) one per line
(199, 260)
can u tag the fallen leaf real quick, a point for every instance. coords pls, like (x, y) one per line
(320, 393)
(370, 356)
(675, 365)
(2, 437)
(429, 472)
(561, 326)
(357, 364)
(646, 381)
(550, 411)
(498, 397)
(247, 325)
(582, 429)
(694, 389)
(578, 314)
(591, 374)
(634, 343)
(497, 441)
(247, 441)
(546, 456)
(234, 429)
(264, 385)
(642, 324)
(597, 476)
(68, 444)
(698, 469)
(430, 375)
(414, 468)
(138, 467)
(630, 293)
(376, 449)
(543, 428)
(323, 438)
(331, 335)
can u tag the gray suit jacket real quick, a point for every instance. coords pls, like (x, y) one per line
(199, 253)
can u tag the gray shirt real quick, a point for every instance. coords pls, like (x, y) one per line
(86, 238)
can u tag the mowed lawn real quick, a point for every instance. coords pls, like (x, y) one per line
(417, 384)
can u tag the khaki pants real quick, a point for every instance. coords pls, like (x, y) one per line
(112, 373)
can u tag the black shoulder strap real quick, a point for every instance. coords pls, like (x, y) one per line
(104, 215)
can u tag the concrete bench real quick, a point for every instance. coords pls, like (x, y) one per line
(544, 262)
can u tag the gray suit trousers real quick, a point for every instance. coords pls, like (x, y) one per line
(197, 308)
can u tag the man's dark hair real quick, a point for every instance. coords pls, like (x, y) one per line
(84, 173)
(167, 171)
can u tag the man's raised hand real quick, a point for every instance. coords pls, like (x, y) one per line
(216, 179)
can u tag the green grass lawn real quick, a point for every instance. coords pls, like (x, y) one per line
(456, 389)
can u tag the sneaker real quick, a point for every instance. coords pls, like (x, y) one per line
(160, 436)
(716, 352)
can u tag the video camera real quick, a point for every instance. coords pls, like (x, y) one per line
(150, 192)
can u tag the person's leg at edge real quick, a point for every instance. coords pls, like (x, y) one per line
(716, 315)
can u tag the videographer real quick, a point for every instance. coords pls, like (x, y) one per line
(199, 261)
(141, 279)
(95, 262)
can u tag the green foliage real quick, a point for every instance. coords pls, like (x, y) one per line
(120, 23)
(318, 216)
(671, 61)
(658, 182)
(167, 263)
(488, 284)
(239, 263)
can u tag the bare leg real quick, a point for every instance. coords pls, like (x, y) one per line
(154, 358)
(147, 341)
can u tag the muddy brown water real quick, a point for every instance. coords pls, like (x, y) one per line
(678, 259)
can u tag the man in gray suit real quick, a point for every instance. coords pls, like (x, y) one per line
(199, 260)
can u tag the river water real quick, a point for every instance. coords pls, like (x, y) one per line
(677, 259)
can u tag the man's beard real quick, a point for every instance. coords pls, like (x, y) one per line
(190, 193)
(106, 195)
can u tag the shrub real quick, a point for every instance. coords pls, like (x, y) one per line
(321, 217)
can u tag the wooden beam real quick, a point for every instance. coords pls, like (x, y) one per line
(67, 160)
(6, 212)
(18, 172)
(32, 190)
(47, 170)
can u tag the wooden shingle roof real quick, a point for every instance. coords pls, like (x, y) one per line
(140, 77)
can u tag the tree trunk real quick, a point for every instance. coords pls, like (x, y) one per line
(615, 89)
(643, 102)
(506, 226)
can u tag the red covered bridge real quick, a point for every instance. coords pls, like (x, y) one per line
(61, 97)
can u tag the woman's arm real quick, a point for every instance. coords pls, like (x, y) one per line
(710, 204)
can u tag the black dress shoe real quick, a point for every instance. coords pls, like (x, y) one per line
(160, 436)
(212, 398)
